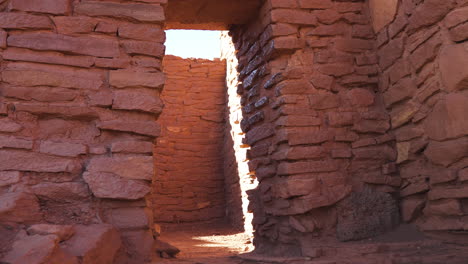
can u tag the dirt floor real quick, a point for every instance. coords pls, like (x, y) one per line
(217, 243)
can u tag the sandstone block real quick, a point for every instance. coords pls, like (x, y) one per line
(135, 47)
(382, 12)
(9, 177)
(41, 94)
(93, 46)
(38, 249)
(140, 12)
(127, 78)
(29, 161)
(63, 232)
(132, 147)
(453, 65)
(3, 39)
(361, 97)
(15, 143)
(106, 185)
(447, 152)
(61, 191)
(62, 148)
(44, 110)
(456, 17)
(315, 4)
(366, 214)
(293, 187)
(293, 16)
(448, 192)
(459, 33)
(16, 54)
(444, 207)
(145, 101)
(428, 13)
(23, 74)
(402, 90)
(390, 53)
(94, 244)
(70, 25)
(24, 21)
(56, 7)
(411, 207)
(19, 207)
(9, 126)
(448, 118)
(148, 128)
(135, 168)
(135, 218)
(142, 32)
(139, 245)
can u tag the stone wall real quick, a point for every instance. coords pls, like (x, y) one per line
(79, 97)
(423, 60)
(189, 177)
(316, 125)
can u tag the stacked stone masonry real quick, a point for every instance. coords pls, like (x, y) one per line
(80, 85)
(354, 113)
(189, 177)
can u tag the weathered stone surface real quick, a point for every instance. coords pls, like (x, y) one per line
(456, 17)
(448, 118)
(38, 249)
(444, 207)
(144, 128)
(402, 90)
(142, 32)
(24, 21)
(132, 147)
(361, 97)
(62, 148)
(292, 16)
(16, 54)
(56, 7)
(164, 247)
(94, 46)
(448, 192)
(135, 217)
(135, 47)
(135, 168)
(41, 94)
(69, 25)
(459, 33)
(15, 143)
(443, 223)
(453, 65)
(411, 207)
(61, 191)
(63, 232)
(428, 13)
(145, 101)
(128, 78)
(60, 110)
(139, 244)
(293, 187)
(19, 207)
(26, 74)
(29, 161)
(3, 39)
(107, 185)
(390, 53)
(9, 177)
(447, 152)
(94, 244)
(366, 214)
(141, 12)
(8, 126)
(383, 12)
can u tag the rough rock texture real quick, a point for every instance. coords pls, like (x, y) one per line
(188, 185)
(79, 96)
(366, 214)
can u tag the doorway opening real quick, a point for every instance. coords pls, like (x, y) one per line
(202, 178)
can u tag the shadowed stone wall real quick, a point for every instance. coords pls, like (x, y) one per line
(189, 178)
(80, 84)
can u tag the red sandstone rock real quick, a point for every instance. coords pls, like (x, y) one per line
(141, 12)
(41, 94)
(69, 25)
(94, 244)
(107, 185)
(140, 245)
(402, 90)
(390, 53)
(453, 63)
(361, 97)
(448, 192)
(132, 147)
(63, 232)
(19, 207)
(444, 207)
(144, 128)
(94, 46)
(30, 161)
(411, 207)
(142, 100)
(48, 110)
(24, 21)
(447, 152)
(61, 191)
(38, 249)
(26, 74)
(3, 39)
(131, 218)
(9, 126)
(135, 168)
(458, 33)
(428, 13)
(62, 148)
(56, 7)
(142, 32)
(47, 57)
(16, 143)
(9, 177)
(135, 47)
(127, 78)
(292, 16)
(293, 187)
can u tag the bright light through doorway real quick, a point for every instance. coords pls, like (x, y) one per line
(193, 43)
